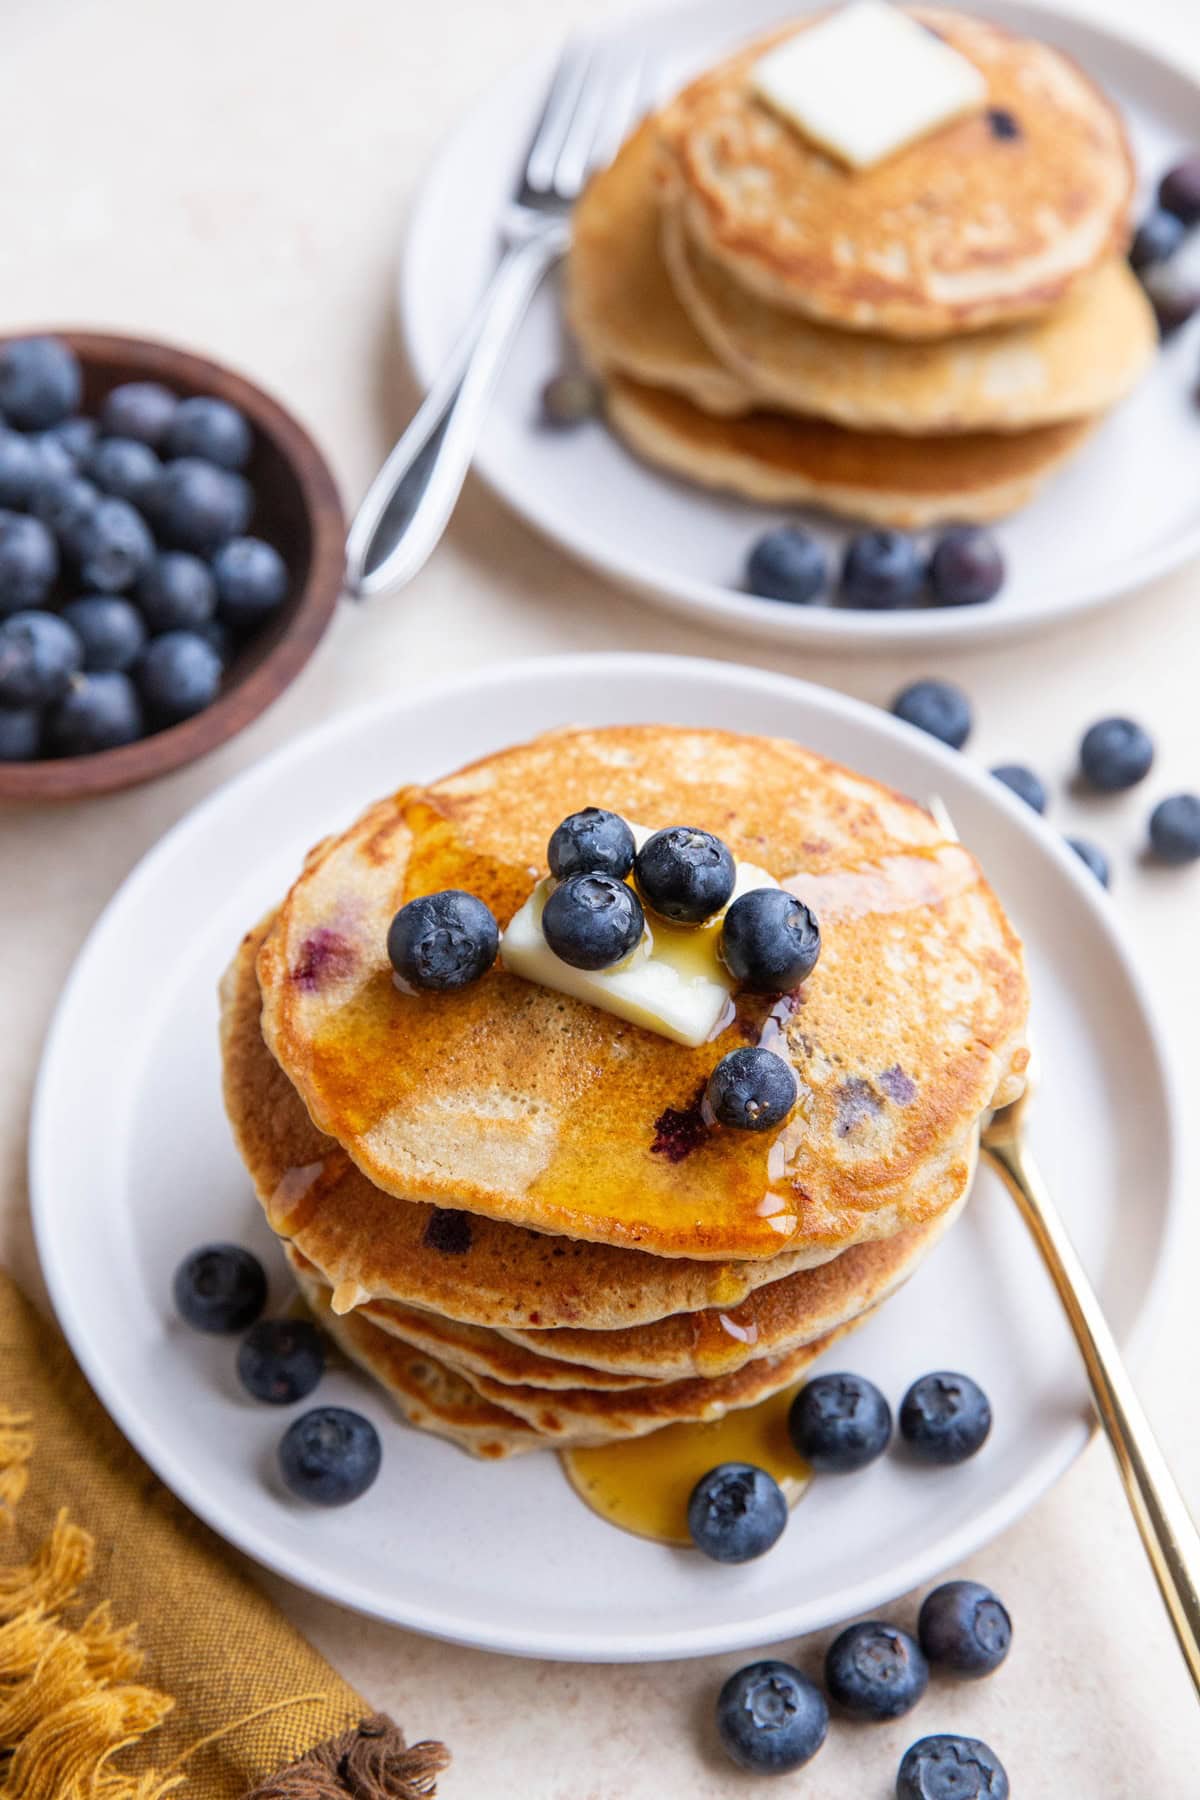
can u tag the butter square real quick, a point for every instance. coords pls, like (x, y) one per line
(866, 81)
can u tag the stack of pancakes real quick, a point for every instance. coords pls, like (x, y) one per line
(509, 1206)
(926, 339)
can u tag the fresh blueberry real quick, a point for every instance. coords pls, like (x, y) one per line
(330, 1455)
(751, 1089)
(937, 707)
(1115, 754)
(138, 409)
(771, 1718)
(40, 382)
(875, 1671)
(252, 581)
(684, 875)
(1094, 857)
(210, 429)
(964, 1627)
(20, 733)
(64, 503)
(220, 1287)
(1175, 829)
(53, 457)
(787, 564)
(113, 546)
(74, 436)
(770, 941)
(1003, 124)
(839, 1423)
(97, 712)
(112, 631)
(591, 842)
(179, 675)
(882, 570)
(1023, 783)
(593, 921)
(125, 468)
(966, 568)
(950, 1768)
(28, 562)
(177, 592)
(199, 507)
(281, 1360)
(1173, 287)
(39, 653)
(20, 466)
(1157, 237)
(569, 399)
(444, 941)
(736, 1512)
(1178, 191)
(945, 1418)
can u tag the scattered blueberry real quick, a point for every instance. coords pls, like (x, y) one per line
(28, 562)
(1178, 191)
(1173, 287)
(177, 592)
(64, 502)
(1157, 237)
(736, 1512)
(751, 1090)
(113, 546)
(771, 1718)
(839, 1423)
(281, 1360)
(124, 468)
(593, 921)
(97, 712)
(1003, 124)
(220, 1287)
(199, 507)
(945, 1418)
(937, 707)
(110, 629)
(963, 1627)
(770, 941)
(966, 568)
(210, 429)
(138, 409)
(179, 675)
(950, 1768)
(40, 382)
(1094, 857)
(875, 1671)
(444, 941)
(39, 653)
(74, 436)
(330, 1455)
(1175, 829)
(591, 842)
(684, 875)
(882, 570)
(20, 733)
(20, 466)
(568, 399)
(1115, 754)
(788, 564)
(1023, 783)
(252, 581)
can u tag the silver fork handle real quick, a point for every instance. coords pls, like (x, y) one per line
(409, 503)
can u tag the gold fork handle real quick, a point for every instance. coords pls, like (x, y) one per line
(1168, 1531)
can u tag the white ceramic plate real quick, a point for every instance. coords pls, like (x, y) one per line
(133, 1166)
(1127, 510)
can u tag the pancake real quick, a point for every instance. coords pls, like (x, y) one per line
(874, 477)
(992, 218)
(518, 1103)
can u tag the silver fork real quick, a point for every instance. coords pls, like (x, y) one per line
(597, 92)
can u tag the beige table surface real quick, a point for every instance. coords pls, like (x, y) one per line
(233, 175)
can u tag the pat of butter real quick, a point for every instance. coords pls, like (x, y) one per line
(673, 982)
(866, 81)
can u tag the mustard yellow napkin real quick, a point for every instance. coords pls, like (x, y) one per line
(137, 1658)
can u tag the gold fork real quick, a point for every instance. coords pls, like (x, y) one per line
(1168, 1531)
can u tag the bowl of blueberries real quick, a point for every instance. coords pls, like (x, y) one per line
(171, 549)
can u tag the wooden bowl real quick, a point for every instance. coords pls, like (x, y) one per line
(296, 508)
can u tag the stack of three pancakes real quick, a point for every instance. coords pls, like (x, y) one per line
(508, 1206)
(927, 339)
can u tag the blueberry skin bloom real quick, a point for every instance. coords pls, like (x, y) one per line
(199, 507)
(840, 1423)
(881, 572)
(40, 382)
(591, 842)
(1023, 783)
(937, 707)
(281, 1360)
(220, 1287)
(20, 733)
(593, 921)
(112, 632)
(751, 1090)
(787, 565)
(951, 1768)
(125, 468)
(177, 592)
(875, 1671)
(20, 466)
(28, 562)
(97, 712)
(1175, 829)
(252, 582)
(771, 1718)
(736, 1512)
(113, 546)
(1115, 754)
(964, 1627)
(179, 676)
(39, 653)
(139, 409)
(684, 874)
(945, 1418)
(770, 941)
(330, 1456)
(1157, 237)
(966, 567)
(441, 942)
(1095, 859)
(210, 429)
